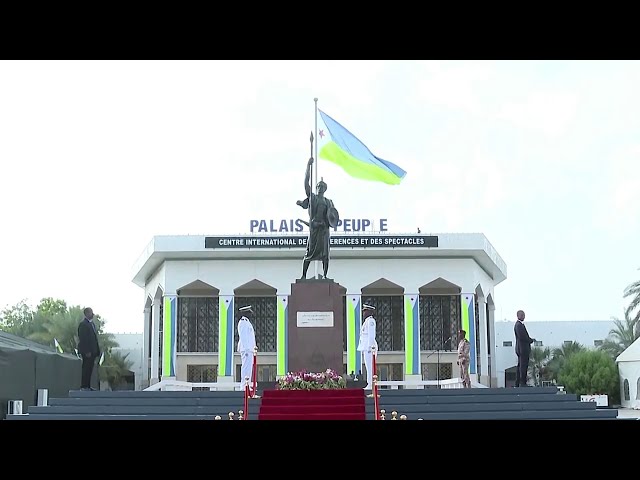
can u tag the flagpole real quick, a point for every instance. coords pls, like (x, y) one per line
(316, 101)
(316, 175)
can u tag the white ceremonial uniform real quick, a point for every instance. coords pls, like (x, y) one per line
(365, 345)
(246, 344)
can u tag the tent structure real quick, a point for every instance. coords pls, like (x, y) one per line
(629, 369)
(26, 366)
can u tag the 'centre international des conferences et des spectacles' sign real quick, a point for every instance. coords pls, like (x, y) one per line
(337, 241)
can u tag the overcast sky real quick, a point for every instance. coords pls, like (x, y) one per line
(98, 157)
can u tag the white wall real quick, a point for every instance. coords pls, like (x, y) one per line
(352, 274)
(630, 371)
(156, 280)
(552, 334)
(131, 344)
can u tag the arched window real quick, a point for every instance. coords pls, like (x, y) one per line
(263, 298)
(625, 388)
(388, 298)
(638, 389)
(197, 321)
(440, 315)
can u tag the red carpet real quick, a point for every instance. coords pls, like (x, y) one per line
(341, 404)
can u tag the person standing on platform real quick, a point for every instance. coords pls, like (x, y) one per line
(464, 358)
(368, 341)
(523, 349)
(88, 347)
(246, 344)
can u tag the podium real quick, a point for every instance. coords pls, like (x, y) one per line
(316, 326)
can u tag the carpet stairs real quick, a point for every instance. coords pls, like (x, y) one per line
(341, 404)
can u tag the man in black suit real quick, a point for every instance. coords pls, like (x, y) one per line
(523, 350)
(88, 347)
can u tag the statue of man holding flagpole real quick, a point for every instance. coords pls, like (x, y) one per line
(322, 216)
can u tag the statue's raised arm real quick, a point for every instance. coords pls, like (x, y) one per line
(307, 183)
(307, 178)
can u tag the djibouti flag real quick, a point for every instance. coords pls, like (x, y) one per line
(338, 145)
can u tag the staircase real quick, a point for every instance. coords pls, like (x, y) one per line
(141, 405)
(487, 404)
(342, 404)
(346, 404)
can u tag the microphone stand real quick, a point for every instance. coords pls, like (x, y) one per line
(437, 351)
(438, 372)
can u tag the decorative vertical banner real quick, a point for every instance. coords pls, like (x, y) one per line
(469, 326)
(282, 335)
(354, 315)
(225, 336)
(411, 335)
(169, 336)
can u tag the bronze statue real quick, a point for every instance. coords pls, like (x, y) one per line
(322, 216)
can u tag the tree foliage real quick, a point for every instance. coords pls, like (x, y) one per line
(559, 357)
(590, 372)
(621, 336)
(538, 361)
(115, 368)
(633, 291)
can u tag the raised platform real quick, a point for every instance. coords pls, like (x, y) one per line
(429, 404)
(527, 403)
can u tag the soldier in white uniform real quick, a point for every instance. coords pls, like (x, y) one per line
(368, 341)
(246, 344)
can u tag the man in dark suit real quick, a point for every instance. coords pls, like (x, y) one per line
(88, 347)
(523, 350)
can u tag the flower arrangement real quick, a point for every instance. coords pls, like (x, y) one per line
(303, 380)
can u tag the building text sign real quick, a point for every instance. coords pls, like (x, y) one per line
(347, 225)
(337, 241)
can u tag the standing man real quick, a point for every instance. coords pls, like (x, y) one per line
(523, 349)
(88, 347)
(464, 358)
(368, 341)
(246, 344)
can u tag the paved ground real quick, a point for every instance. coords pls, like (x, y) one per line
(628, 413)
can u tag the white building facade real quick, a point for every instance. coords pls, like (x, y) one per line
(425, 287)
(552, 334)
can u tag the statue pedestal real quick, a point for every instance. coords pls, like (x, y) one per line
(316, 326)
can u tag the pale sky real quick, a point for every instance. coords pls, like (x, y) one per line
(97, 157)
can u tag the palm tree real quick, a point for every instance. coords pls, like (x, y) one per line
(633, 291)
(560, 356)
(115, 369)
(621, 336)
(63, 326)
(538, 361)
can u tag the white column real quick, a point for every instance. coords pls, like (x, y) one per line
(227, 356)
(482, 332)
(155, 340)
(146, 353)
(169, 335)
(492, 340)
